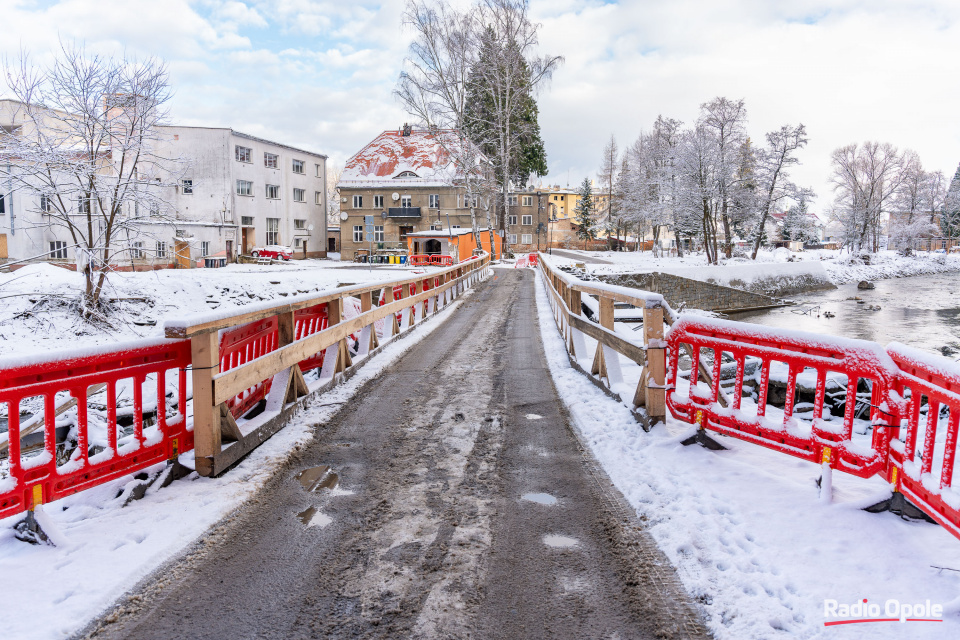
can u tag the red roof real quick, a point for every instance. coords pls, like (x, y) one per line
(391, 153)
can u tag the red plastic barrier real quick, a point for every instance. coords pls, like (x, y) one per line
(418, 260)
(821, 360)
(241, 345)
(923, 456)
(141, 384)
(309, 321)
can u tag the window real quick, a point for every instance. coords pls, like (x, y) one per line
(298, 242)
(3, 206)
(273, 191)
(244, 188)
(512, 200)
(526, 219)
(136, 251)
(406, 174)
(527, 201)
(406, 202)
(58, 250)
(512, 238)
(270, 160)
(46, 204)
(317, 197)
(454, 226)
(299, 224)
(526, 238)
(319, 170)
(358, 233)
(161, 249)
(378, 202)
(378, 233)
(434, 201)
(273, 230)
(246, 221)
(298, 166)
(244, 154)
(299, 195)
(205, 248)
(357, 202)
(83, 205)
(436, 226)
(511, 219)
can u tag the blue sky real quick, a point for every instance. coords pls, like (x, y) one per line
(319, 74)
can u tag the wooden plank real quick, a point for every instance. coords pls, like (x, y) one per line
(286, 328)
(609, 338)
(232, 382)
(229, 431)
(205, 356)
(656, 363)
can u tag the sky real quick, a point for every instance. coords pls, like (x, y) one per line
(319, 74)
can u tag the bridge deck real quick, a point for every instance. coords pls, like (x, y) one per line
(427, 534)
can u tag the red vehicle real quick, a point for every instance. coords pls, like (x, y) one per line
(273, 251)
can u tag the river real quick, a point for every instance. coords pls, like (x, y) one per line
(922, 311)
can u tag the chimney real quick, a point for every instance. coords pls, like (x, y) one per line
(406, 130)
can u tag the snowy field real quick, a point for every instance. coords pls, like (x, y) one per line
(103, 549)
(747, 532)
(37, 313)
(834, 266)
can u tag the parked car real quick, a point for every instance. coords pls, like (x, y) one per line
(273, 251)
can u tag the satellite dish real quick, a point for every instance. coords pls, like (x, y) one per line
(309, 227)
(395, 196)
(383, 214)
(344, 216)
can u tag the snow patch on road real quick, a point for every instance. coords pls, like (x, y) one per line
(751, 542)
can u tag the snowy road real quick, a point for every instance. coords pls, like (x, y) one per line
(463, 505)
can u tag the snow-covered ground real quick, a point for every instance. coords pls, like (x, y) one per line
(832, 266)
(103, 549)
(745, 528)
(36, 312)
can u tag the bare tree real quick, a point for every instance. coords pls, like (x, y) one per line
(85, 143)
(773, 180)
(866, 179)
(726, 120)
(333, 195)
(608, 173)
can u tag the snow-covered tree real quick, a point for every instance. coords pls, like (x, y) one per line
(86, 143)
(584, 213)
(609, 165)
(798, 223)
(773, 176)
(950, 216)
(725, 120)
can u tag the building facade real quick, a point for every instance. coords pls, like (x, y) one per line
(224, 193)
(408, 182)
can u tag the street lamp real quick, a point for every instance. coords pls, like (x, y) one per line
(539, 223)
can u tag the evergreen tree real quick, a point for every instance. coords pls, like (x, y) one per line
(797, 224)
(950, 217)
(584, 213)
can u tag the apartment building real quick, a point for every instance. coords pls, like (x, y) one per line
(226, 193)
(409, 182)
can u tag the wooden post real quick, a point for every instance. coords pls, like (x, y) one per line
(656, 363)
(368, 335)
(599, 367)
(205, 355)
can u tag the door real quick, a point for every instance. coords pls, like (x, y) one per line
(432, 247)
(229, 250)
(3, 246)
(248, 239)
(332, 245)
(181, 249)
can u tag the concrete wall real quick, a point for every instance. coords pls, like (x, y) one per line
(693, 293)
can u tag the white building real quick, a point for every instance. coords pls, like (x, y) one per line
(234, 192)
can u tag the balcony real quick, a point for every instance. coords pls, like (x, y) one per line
(403, 212)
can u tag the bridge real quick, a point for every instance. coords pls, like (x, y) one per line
(455, 486)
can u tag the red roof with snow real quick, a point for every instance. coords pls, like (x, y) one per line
(392, 154)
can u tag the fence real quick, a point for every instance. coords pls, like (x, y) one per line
(127, 407)
(644, 371)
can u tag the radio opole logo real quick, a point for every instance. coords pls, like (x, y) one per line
(863, 611)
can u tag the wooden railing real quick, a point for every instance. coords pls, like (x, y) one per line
(422, 295)
(566, 296)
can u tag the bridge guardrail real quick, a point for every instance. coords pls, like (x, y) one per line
(120, 426)
(565, 294)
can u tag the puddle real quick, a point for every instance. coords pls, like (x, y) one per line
(540, 498)
(317, 478)
(313, 518)
(534, 416)
(561, 542)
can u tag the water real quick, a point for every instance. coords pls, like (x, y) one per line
(317, 478)
(540, 498)
(922, 311)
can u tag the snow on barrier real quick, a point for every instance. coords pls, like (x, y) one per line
(849, 405)
(77, 419)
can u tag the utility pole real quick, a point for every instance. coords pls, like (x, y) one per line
(539, 223)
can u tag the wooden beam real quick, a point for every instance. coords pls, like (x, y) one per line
(205, 356)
